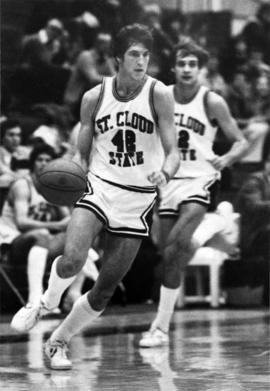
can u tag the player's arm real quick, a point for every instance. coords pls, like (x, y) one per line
(85, 137)
(219, 110)
(20, 198)
(164, 107)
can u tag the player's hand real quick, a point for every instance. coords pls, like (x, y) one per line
(158, 178)
(220, 162)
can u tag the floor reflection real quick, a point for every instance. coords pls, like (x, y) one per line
(158, 359)
(208, 351)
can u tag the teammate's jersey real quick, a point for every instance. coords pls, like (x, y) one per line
(39, 209)
(126, 145)
(195, 136)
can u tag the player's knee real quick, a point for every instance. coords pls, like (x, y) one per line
(69, 266)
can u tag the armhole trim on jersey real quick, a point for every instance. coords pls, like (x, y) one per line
(99, 101)
(30, 186)
(151, 101)
(212, 121)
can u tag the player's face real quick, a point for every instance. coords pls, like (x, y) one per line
(186, 69)
(135, 61)
(41, 162)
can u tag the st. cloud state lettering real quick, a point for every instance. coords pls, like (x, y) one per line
(126, 119)
(189, 123)
(126, 159)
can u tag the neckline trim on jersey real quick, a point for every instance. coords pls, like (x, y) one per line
(132, 96)
(190, 99)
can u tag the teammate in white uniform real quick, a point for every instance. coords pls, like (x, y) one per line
(185, 200)
(29, 223)
(128, 157)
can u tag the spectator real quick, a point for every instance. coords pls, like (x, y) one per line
(51, 36)
(233, 57)
(176, 27)
(255, 65)
(13, 155)
(257, 31)
(74, 42)
(239, 97)
(89, 70)
(29, 223)
(110, 16)
(253, 203)
(36, 79)
(159, 63)
(258, 125)
(211, 77)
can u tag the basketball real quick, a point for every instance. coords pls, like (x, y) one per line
(62, 182)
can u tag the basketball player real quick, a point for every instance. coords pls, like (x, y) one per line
(128, 156)
(29, 223)
(185, 200)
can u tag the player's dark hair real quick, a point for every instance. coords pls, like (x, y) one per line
(189, 47)
(39, 150)
(6, 125)
(130, 34)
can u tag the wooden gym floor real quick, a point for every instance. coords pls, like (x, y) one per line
(210, 350)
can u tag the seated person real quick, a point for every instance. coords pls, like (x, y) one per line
(253, 203)
(29, 223)
(12, 153)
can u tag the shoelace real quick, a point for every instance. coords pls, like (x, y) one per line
(58, 344)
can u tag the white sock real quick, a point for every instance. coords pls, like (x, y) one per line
(81, 315)
(167, 302)
(36, 262)
(56, 287)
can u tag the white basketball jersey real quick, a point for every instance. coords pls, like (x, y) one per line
(195, 137)
(39, 209)
(126, 145)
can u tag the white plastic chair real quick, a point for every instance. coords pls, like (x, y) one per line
(214, 259)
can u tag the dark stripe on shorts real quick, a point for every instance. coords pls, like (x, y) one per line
(93, 208)
(209, 200)
(146, 219)
(149, 189)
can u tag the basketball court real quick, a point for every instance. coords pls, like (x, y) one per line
(210, 350)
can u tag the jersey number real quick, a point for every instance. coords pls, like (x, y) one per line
(125, 141)
(183, 139)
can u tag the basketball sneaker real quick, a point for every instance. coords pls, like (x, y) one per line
(56, 355)
(154, 338)
(27, 317)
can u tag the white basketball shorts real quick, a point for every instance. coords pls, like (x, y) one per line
(179, 191)
(123, 212)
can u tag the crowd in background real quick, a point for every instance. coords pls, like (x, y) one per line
(64, 58)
